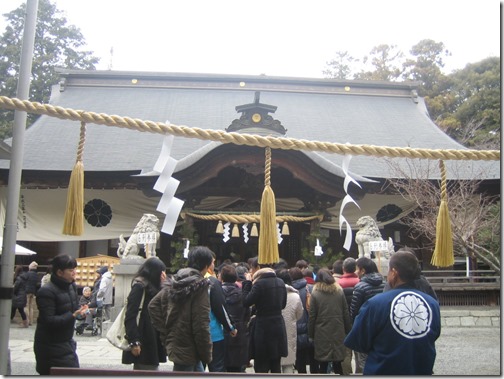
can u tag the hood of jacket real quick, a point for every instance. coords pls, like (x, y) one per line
(186, 282)
(299, 283)
(324, 287)
(232, 293)
(374, 279)
(291, 289)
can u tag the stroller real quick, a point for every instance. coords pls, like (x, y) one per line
(96, 325)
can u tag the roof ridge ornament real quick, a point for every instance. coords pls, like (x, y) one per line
(256, 115)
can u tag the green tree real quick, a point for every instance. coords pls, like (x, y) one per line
(56, 45)
(308, 252)
(464, 104)
(425, 67)
(340, 67)
(386, 61)
(470, 109)
(186, 232)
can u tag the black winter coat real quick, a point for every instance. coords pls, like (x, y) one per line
(19, 292)
(54, 345)
(32, 281)
(152, 351)
(369, 285)
(269, 295)
(236, 347)
(302, 323)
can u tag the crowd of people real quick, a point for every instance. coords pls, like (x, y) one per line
(280, 319)
(274, 318)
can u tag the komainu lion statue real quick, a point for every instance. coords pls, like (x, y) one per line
(368, 232)
(131, 248)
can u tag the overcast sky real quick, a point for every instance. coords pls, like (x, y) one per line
(273, 37)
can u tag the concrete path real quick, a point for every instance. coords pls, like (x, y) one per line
(461, 350)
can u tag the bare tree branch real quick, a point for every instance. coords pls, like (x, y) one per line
(470, 211)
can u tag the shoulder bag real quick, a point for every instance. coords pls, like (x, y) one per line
(116, 334)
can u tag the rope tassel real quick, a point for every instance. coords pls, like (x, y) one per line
(73, 223)
(443, 252)
(254, 232)
(285, 229)
(268, 239)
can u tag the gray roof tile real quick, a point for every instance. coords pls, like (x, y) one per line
(312, 109)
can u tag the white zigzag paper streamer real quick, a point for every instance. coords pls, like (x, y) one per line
(169, 205)
(245, 232)
(279, 234)
(225, 233)
(346, 200)
(318, 249)
(186, 250)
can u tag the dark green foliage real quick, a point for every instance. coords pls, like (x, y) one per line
(469, 110)
(327, 259)
(56, 45)
(385, 59)
(183, 233)
(464, 104)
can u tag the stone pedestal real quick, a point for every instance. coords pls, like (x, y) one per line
(382, 263)
(124, 273)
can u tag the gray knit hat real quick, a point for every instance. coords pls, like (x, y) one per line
(102, 270)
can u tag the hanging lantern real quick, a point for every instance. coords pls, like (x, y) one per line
(220, 228)
(253, 231)
(285, 229)
(236, 232)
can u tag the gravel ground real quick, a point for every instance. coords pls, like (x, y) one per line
(471, 351)
(474, 351)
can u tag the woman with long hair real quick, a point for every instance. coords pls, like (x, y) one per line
(329, 322)
(146, 349)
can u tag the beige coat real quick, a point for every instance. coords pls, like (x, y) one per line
(292, 312)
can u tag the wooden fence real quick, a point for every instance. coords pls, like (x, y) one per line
(461, 288)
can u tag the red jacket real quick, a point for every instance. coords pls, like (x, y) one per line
(348, 280)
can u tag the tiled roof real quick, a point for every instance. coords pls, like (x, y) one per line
(357, 112)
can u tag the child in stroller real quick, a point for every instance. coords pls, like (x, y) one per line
(92, 318)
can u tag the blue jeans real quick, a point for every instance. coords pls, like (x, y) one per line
(197, 367)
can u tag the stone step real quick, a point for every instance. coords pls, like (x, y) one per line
(467, 317)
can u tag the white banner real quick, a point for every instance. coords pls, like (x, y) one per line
(108, 213)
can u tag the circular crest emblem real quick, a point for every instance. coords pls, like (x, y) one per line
(97, 213)
(410, 315)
